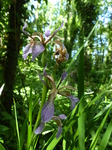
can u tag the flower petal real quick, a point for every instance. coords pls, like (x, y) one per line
(65, 93)
(62, 116)
(58, 121)
(47, 33)
(59, 28)
(74, 100)
(37, 49)
(63, 76)
(59, 132)
(68, 87)
(27, 50)
(47, 111)
(25, 26)
(67, 56)
(40, 128)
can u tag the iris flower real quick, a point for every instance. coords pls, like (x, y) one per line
(37, 47)
(47, 112)
(60, 54)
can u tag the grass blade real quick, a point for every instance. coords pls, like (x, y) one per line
(95, 139)
(106, 137)
(64, 144)
(23, 132)
(17, 128)
(81, 120)
(1, 147)
(30, 118)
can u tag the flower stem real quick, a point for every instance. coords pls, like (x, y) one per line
(43, 59)
(30, 117)
(44, 93)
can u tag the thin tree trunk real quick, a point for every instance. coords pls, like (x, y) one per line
(13, 47)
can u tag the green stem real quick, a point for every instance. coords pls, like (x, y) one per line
(30, 118)
(81, 120)
(44, 93)
(17, 128)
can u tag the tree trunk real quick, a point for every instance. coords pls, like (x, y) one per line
(13, 47)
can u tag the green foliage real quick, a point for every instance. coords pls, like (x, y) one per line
(88, 42)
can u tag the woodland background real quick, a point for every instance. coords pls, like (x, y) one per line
(87, 34)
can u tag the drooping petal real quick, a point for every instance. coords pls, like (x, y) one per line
(58, 121)
(27, 50)
(62, 116)
(40, 128)
(74, 100)
(37, 49)
(65, 92)
(59, 28)
(59, 132)
(63, 76)
(47, 111)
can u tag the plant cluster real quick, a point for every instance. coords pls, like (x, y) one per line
(37, 47)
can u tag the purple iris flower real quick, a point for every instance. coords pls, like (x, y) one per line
(47, 112)
(37, 47)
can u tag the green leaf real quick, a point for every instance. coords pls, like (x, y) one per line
(64, 144)
(1, 147)
(3, 128)
(6, 115)
(106, 137)
(23, 133)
